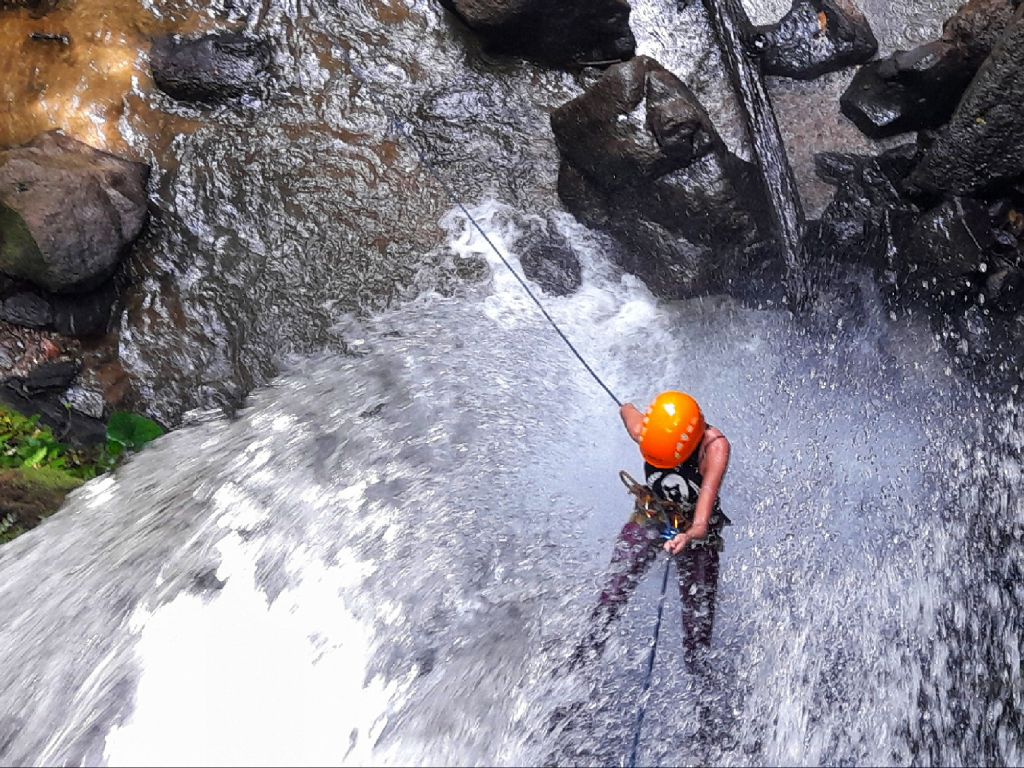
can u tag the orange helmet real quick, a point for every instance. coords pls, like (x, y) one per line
(673, 427)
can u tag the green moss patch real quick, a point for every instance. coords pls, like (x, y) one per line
(29, 495)
(37, 471)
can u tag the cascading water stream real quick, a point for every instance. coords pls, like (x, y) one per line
(383, 557)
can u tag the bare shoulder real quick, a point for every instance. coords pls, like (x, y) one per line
(714, 445)
(714, 436)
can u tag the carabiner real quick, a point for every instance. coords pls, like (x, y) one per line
(670, 532)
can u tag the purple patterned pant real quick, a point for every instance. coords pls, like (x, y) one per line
(635, 550)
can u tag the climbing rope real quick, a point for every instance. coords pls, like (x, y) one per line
(650, 668)
(401, 128)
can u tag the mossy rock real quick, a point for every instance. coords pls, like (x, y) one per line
(29, 495)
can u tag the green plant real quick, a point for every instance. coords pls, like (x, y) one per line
(26, 443)
(23, 443)
(9, 528)
(131, 432)
(37, 471)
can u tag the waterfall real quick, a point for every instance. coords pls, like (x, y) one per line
(386, 552)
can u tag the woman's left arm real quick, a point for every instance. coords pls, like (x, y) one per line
(712, 468)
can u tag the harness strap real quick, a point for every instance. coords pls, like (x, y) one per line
(650, 508)
(669, 516)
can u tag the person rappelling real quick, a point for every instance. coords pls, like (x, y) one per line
(678, 510)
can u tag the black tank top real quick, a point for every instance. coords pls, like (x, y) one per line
(682, 485)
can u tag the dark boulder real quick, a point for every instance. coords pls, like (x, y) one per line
(670, 265)
(642, 160)
(919, 89)
(27, 309)
(51, 376)
(87, 314)
(869, 217)
(212, 69)
(68, 212)
(549, 261)
(907, 91)
(67, 425)
(605, 135)
(815, 37)
(982, 147)
(1004, 288)
(561, 34)
(945, 259)
(709, 201)
(582, 198)
(81, 315)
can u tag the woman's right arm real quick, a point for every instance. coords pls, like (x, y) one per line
(633, 420)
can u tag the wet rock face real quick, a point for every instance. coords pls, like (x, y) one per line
(642, 160)
(946, 255)
(561, 34)
(68, 214)
(80, 315)
(982, 147)
(963, 253)
(549, 261)
(964, 259)
(949, 254)
(815, 37)
(211, 69)
(869, 216)
(959, 258)
(919, 89)
(977, 26)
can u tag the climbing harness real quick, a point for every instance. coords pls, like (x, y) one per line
(405, 132)
(649, 508)
(671, 517)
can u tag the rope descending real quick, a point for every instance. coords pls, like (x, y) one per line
(401, 128)
(668, 513)
(650, 668)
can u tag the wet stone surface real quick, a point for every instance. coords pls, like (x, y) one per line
(814, 37)
(210, 69)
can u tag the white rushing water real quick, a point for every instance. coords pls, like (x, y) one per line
(384, 557)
